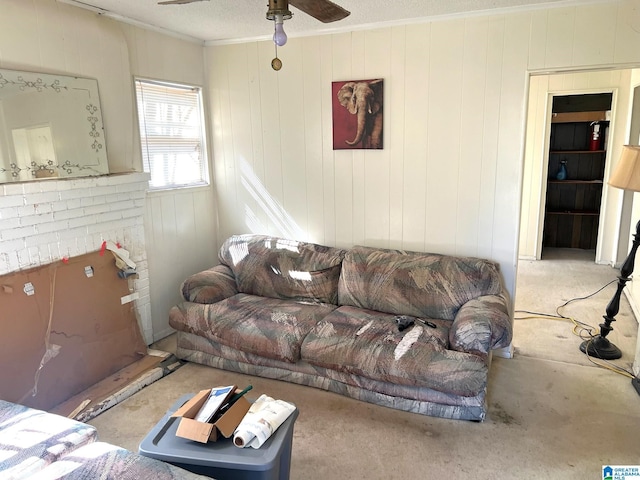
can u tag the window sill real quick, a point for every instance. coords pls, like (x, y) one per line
(184, 189)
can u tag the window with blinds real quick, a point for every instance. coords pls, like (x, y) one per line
(172, 134)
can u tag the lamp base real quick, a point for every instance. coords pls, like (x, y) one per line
(600, 347)
(635, 381)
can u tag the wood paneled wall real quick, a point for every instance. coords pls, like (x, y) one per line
(180, 225)
(449, 178)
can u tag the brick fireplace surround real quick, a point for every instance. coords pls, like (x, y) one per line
(48, 220)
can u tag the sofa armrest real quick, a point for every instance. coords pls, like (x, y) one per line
(481, 325)
(209, 286)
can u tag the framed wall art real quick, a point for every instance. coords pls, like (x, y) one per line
(357, 114)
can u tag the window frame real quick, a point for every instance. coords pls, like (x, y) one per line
(146, 163)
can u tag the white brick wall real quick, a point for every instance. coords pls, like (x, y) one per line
(45, 221)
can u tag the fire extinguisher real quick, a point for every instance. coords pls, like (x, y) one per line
(594, 143)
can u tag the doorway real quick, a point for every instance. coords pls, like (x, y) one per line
(618, 212)
(596, 207)
(577, 157)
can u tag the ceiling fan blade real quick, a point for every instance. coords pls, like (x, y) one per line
(179, 2)
(323, 10)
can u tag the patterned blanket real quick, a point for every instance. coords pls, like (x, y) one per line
(40, 445)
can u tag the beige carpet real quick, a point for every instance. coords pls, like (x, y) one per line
(564, 275)
(548, 418)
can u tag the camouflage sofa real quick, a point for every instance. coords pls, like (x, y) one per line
(40, 445)
(327, 317)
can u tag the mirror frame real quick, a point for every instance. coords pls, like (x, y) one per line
(76, 153)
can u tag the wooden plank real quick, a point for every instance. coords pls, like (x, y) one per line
(358, 182)
(377, 168)
(488, 150)
(472, 114)
(327, 75)
(101, 390)
(344, 49)
(550, 234)
(443, 132)
(415, 108)
(294, 213)
(595, 48)
(566, 117)
(312, 91)
(565, 232)
(247, 186)
(138, 384)
(576, 235)
(395, 128)
(270, 189)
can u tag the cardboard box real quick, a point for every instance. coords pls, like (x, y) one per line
(208, 432)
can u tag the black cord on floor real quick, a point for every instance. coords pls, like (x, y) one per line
(584, 298)
(559, 315)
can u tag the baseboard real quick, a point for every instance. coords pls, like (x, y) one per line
(163, 334)
(636, 384)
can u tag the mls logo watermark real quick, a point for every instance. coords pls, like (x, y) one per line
(621, 472)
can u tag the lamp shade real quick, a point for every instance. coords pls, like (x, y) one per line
(627, 172)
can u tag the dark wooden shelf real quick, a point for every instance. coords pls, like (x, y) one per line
(576, 182)
(576, 117)
(574, 212)
(575, 151)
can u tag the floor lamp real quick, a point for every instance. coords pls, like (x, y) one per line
(627, 177)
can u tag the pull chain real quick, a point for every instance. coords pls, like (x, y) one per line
(276, 63)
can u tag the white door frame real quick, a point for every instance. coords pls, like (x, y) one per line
(545, 166)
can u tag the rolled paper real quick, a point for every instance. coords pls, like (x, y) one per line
(240, 439)
(263, 418)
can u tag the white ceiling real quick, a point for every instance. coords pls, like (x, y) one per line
(235, 20)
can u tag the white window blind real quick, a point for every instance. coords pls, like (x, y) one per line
(172, 134)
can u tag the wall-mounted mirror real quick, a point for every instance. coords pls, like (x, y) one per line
(50, 127)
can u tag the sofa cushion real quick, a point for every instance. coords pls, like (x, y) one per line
(209, 286)
(412, 283)
(268, 327)
(31, 439)
(368, 343)
(280, 268)
(482, 325)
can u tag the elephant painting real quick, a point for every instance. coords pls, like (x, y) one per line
(359, 123)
